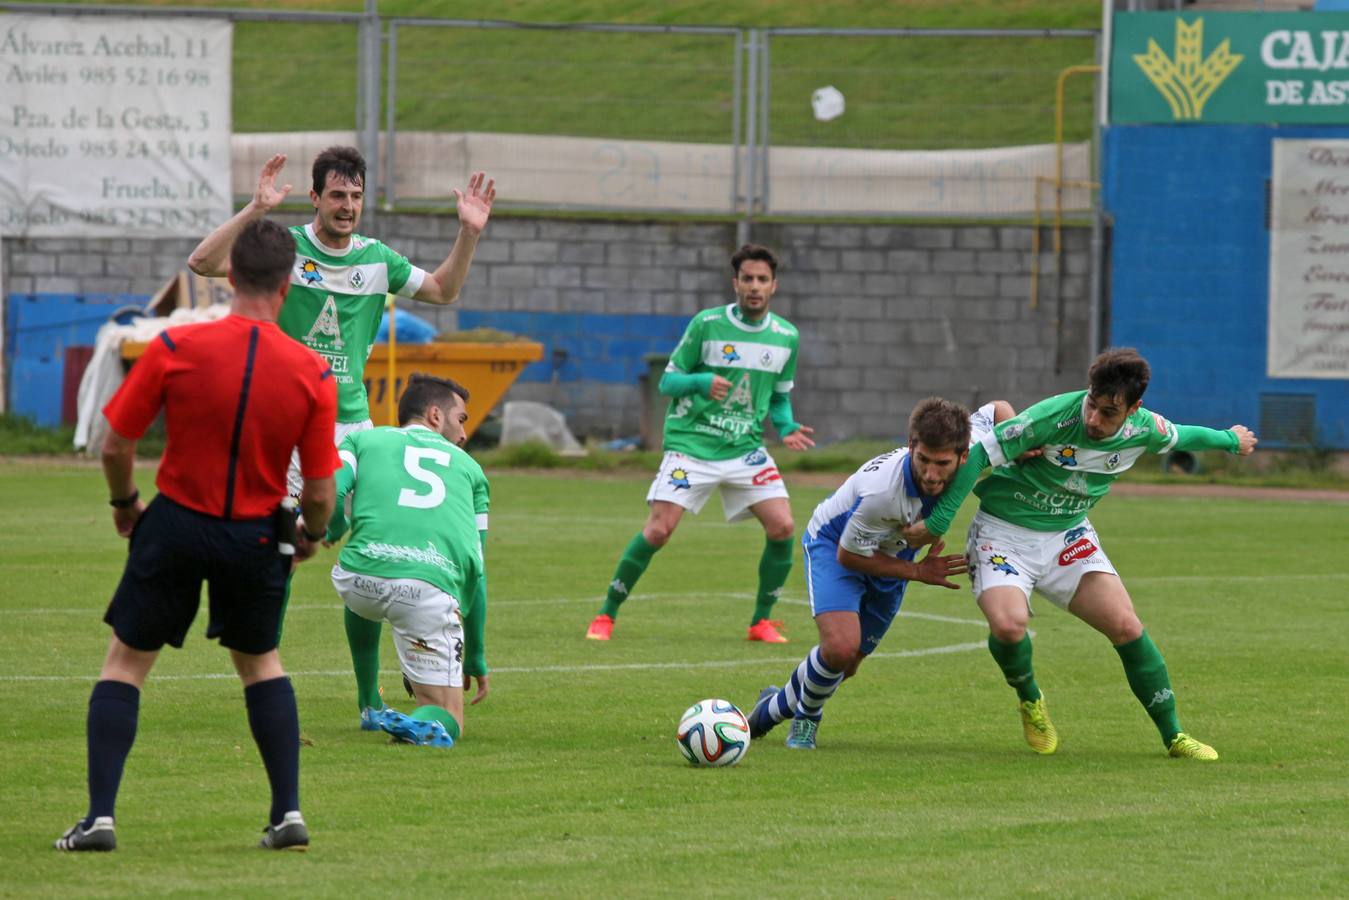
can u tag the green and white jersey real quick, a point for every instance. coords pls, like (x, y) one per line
(758, 359)
(418, 503)
(335, 303)
(1056, 490)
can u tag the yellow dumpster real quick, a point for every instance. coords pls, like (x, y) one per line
(486, 369)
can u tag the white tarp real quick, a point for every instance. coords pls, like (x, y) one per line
(1309, 260)
(113, 127)
(592, 173)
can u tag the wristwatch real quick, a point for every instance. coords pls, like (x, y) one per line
(125, 502)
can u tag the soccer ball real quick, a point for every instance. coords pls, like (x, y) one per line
(713, 733)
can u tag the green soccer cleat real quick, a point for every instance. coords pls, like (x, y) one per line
(802, 735)
(1185, 747)
(1040, 732)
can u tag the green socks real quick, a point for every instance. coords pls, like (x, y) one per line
(1146, 671)
(1015, 662)
(774, 566)
(363, 639)
(636, 557)
(436, 714)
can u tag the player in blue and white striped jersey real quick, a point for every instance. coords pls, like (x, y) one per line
(858, 565)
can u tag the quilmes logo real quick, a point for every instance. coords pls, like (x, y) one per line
(1189, 79)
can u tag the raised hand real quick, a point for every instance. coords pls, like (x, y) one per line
(475, 204)
(268, 197)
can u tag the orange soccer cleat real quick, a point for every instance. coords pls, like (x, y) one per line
(766, 630)
(601, 629)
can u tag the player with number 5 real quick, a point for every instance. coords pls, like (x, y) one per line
(414, 559)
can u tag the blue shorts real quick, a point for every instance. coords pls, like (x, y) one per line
(832, 587)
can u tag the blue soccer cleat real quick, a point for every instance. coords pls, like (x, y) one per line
(802, 736)
(407, 730)
(760, 722)
(370, 718)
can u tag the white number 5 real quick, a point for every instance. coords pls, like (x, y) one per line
(413, 460)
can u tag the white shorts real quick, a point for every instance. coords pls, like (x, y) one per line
(294, 480)
(427, 631)
(744, 481)
(1051, 562)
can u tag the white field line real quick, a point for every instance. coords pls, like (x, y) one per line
(600, 667)
(568, 669)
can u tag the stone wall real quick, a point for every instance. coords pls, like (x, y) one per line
(887, 314)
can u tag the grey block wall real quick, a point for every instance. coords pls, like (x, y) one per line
(888, 314)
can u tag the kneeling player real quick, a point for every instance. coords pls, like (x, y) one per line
(415, 560)
(857, 565)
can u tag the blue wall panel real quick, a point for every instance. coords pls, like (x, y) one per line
(585, 346)
(38, 329)
(1190, 270)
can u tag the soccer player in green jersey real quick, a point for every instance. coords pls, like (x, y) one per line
(1032, 531)
(414, 559)
(734, 365)
(341, 279)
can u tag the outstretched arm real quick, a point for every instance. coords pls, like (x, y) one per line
(1238, 439)
(212, 256)
(475, 207)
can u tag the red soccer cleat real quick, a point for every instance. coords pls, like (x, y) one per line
(601, 629)
(765, 630)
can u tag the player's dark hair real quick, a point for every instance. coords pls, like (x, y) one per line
(756, 252)
(1119, 371)
(345, 162)
(425, 391)
(261, 258)
(939, 424)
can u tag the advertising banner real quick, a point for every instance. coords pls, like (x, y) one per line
(114, 127)
(1309, 260)
(1227, 67)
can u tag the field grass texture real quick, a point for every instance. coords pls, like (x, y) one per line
(568, 781)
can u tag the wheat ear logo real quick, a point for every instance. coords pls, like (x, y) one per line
(1189, 80)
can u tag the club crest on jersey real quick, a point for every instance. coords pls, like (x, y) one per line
(1074, 533)
(755, 457)
(1112, 460)
(309, 271)
(766, 358)
(356, 279)
(679, 479)
(728, 353)
(1000, 564)
(1066, 456)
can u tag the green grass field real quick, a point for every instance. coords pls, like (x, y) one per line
(568, 782)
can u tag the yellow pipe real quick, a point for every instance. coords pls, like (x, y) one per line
(1058, 153)
(390, 408)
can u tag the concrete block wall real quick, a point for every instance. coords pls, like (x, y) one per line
(887, 314)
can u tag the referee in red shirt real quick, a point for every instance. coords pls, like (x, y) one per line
(237, 395)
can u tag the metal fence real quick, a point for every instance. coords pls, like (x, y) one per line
(713, 120)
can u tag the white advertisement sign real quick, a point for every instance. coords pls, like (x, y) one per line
(1309, 260)
(114, 127)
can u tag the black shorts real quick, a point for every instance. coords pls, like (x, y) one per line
(174, 549)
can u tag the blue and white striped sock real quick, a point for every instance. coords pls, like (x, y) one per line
(810, 686)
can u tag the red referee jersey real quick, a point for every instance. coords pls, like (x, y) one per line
(237, 395)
